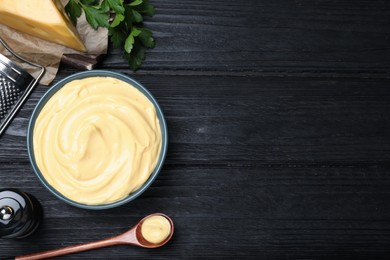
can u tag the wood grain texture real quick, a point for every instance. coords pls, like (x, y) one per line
(279, 136)
(300, 37)
(259, 120)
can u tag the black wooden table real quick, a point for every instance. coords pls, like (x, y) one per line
(279, 135)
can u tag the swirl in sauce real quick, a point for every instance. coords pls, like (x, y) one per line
(97, 140)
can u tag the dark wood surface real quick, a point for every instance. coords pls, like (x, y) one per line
(279, 135)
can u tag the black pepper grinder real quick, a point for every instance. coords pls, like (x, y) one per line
(20, 213)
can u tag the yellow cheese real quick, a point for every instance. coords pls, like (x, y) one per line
(45, 19)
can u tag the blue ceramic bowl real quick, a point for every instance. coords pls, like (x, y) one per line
(82, 75)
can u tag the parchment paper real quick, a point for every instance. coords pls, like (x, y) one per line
(49, 54)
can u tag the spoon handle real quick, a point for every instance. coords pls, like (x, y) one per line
(70, 249)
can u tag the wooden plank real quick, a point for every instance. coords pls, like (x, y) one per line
(294, 37)
(279, 140)
(256, 120)
(273, 212)
(82, 61)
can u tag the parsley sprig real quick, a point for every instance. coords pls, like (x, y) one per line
(125, 28)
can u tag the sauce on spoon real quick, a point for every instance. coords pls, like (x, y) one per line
(134, 237)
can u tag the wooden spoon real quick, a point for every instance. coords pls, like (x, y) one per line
(132, 237)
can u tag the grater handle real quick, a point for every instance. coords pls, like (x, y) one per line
(7, 120)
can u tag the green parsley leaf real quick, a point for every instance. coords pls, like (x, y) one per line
(130, 39)
(126, 29)
(104, 6)
(136, 2)
(137, 17)
(117, 35)
(117, 20)
(145, 8)
(132, 16)
(136, 57)
(89, 2)
(117, 6)
(146, 37)
(74, 11)
(95, 17)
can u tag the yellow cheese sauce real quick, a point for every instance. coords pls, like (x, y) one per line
(97, 140)
(156, 229)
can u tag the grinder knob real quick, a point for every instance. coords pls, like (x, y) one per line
(20, 214)
(6, 213)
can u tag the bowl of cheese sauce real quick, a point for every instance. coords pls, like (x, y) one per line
(97, 139)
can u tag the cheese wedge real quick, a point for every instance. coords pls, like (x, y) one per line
(45, 19)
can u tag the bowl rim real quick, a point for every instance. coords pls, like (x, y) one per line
(97, 73)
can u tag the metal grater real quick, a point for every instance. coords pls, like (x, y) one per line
(15, 86)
